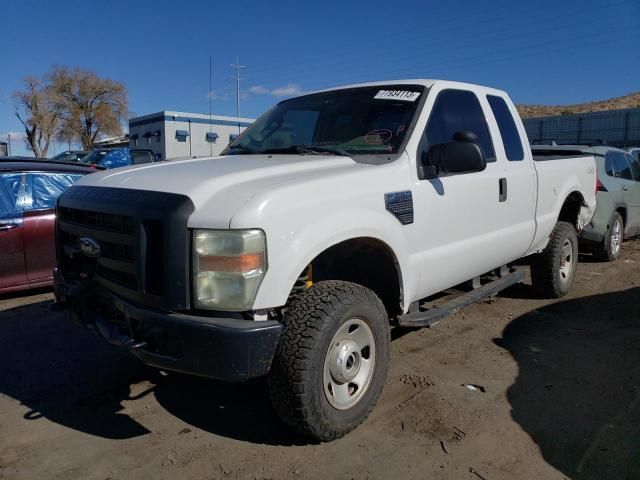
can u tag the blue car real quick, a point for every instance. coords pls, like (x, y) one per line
(117, 157)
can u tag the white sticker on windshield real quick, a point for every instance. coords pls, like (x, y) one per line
(404, 95)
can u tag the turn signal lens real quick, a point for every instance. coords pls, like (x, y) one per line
(220, 263)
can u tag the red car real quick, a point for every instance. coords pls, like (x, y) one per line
(28, 193)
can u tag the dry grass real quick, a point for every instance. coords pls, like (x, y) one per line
(631, 100)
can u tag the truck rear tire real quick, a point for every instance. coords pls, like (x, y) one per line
(611, 246)
(553, 270)
(332, 360)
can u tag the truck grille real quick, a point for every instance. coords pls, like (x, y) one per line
(118, 245)
(135, 231)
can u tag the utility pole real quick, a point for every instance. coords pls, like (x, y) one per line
(237, 66)
(210, 110)
(9, 144)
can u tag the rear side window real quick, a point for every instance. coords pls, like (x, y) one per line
(457, 111)
(508, 130)
(621, 167)
(635, 168)
(141, 157)
(47, 187)
(608, 166)
(11, 194)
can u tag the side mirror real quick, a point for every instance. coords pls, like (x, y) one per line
(462, 154)
(459, 157)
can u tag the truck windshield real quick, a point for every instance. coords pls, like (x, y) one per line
(356, 121)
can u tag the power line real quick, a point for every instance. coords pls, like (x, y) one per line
(498, 55)
(440, 35)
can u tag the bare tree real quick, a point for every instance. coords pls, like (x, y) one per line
(90, 106)
(37, 114)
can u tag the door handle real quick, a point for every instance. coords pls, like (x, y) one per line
(625, 188)
(10, 226)
(502, 190)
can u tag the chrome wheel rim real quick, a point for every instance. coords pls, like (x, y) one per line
(349, 364)
(566, 261)
(616, 238)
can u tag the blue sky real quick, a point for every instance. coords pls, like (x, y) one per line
(548, 51)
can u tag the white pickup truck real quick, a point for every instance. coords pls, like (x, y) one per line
(335, 216)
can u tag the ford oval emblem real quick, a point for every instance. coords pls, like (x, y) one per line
(89, 246)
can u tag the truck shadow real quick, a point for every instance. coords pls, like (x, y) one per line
(577, 393)
(64, 373)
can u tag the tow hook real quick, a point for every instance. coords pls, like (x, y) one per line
(118, 336)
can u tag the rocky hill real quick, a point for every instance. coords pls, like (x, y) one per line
(627, 101)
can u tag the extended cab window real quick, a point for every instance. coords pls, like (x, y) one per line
(508, 129)
(457, 111)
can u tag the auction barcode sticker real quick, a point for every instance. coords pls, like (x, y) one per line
(404, 95)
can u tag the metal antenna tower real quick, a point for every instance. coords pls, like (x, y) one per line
(237, 78)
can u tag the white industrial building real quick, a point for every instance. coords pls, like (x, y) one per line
(183, 135)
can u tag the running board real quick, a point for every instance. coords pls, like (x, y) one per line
(432, 316)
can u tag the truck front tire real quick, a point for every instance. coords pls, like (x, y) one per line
(553, 270)
(332, 360)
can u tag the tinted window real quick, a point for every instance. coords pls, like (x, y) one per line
(94, 157)
(11, 189)
(47, 187)
(621, 167)
(508, 130)
(457, 111)
(608, 166)
(141, 157)
(635, 168)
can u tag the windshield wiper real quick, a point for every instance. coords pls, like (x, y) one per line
(244, 148)
(306, 149)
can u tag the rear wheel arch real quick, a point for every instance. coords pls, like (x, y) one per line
(622, 210)
(570, 210)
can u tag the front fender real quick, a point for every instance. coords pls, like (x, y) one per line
(291, 250)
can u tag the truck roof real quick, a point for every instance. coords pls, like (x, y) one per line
(427, 82)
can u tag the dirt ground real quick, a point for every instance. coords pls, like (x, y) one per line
(561, 399)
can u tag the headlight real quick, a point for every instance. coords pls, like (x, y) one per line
(228, 266)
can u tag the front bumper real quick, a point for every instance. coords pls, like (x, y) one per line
(223, 348)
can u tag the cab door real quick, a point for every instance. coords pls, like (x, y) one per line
(12, 263)
(462, 229)
(518, 183)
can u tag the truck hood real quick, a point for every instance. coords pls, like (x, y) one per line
(221, 185)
